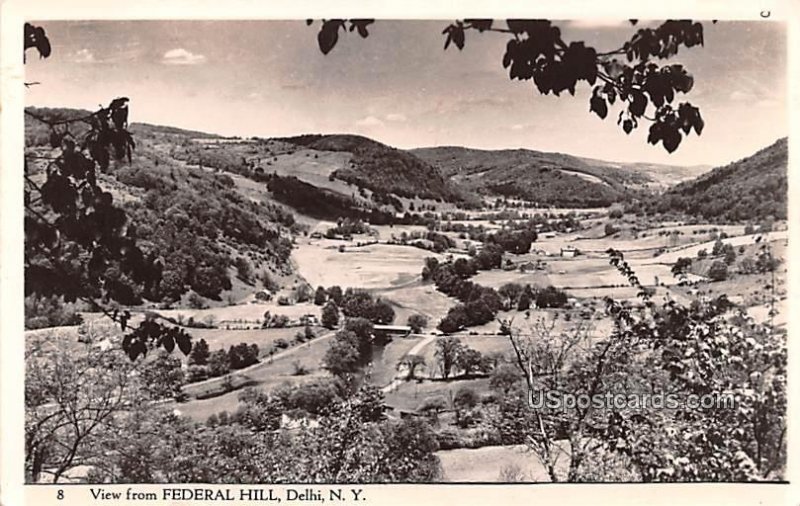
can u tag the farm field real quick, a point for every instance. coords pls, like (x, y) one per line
(497, 278)
(264, 338)
(266, 375)
(409, 395)
(485, 464)
(371, 267)
(248, 313)
(421, 299)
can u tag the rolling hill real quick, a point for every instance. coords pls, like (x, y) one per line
(381, 168)
(753, 188)
(549, 178)
(196, 220)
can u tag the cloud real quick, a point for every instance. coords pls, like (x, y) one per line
(84, 56)
(180, 56)
(369, 121)
(741, 96)
(395, 116)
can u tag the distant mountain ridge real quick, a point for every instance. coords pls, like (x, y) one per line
(547, 178)
(452, 174)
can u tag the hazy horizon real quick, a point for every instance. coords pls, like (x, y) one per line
(269, 79)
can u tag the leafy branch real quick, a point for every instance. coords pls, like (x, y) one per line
(628, 74)
(78, 244)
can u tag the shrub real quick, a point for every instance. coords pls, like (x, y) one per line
(200, 353)
(299, 369)
(718, 271)
(218, 363)
(330, 315)
(417, 322)
(242, 355)
(195, 373)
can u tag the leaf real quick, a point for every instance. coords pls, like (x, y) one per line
(42, 42)
(638, 103)
(627, 125)
(598, 106)
(458, 37)
(327, 37)
(184, 342)
(672, 140)
(698, 124)
(361, 26)
(168, 343)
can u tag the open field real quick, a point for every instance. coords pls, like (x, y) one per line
(487, 345)
(252, 313)
(485, 464)
(409, 395)
(266, 375)
(264, 338)
(673, 255)
(421, 299)
(497, 278)
(387, 232)
(372, 267)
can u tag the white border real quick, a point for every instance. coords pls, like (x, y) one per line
(11, 234)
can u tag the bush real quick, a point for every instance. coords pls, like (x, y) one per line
(200, 353)
(195, 373)
(279, 321)
(551, 297)
(281, 343)
(244, 270)
(330, 315)
(417, 322)
(269, 282)
(242, 355)
(299, 369)
(218, 363)
(718, 271)
(42, 312)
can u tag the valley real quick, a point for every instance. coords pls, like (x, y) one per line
(433, 248)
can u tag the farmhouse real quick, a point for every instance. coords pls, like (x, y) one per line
(569, 251)
(392, 330)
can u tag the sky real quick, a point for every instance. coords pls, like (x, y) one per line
(398, 86)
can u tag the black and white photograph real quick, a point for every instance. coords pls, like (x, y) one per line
(394, 251)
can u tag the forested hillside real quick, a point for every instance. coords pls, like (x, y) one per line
(750, 189)
(551, 179)
(382, 168)
(193, 219)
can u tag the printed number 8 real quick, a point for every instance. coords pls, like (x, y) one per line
(60, 495)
